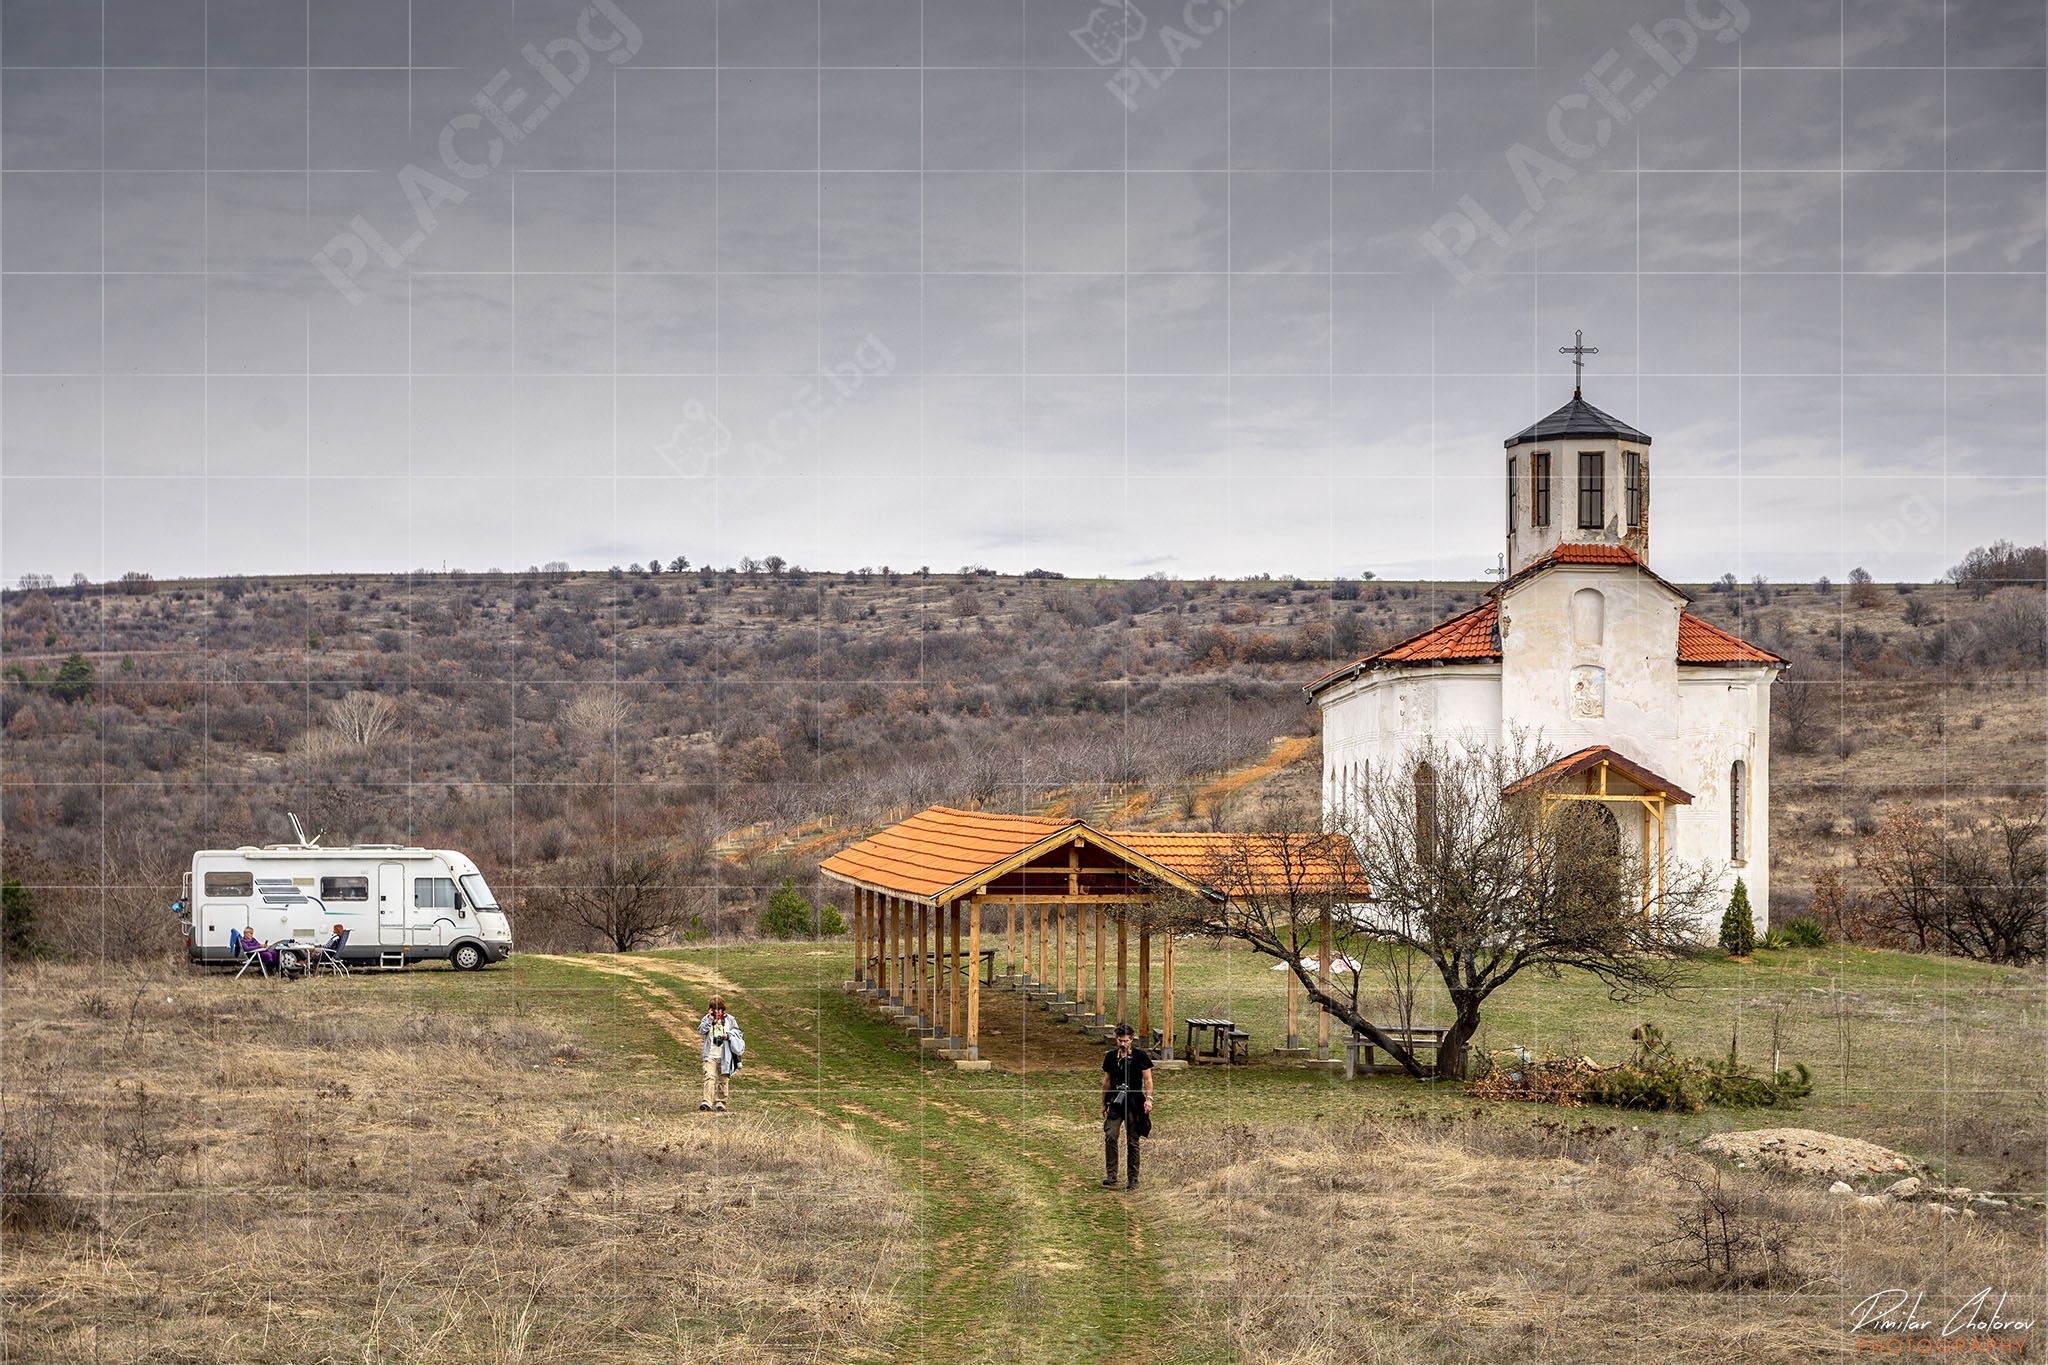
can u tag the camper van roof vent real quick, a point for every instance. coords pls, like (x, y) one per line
(377, 845)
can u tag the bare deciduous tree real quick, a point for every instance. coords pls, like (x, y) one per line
(624, 897)
(1904, 856)
(1800, 707)
(362, 718)
(1481, 881)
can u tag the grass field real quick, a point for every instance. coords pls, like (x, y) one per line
(509, 1167)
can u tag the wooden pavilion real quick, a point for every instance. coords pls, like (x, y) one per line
(921, 884)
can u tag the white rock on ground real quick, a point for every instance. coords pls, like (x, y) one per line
(1841, 1189)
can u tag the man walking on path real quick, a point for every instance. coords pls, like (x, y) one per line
(724, 1046)
(1126, 1103)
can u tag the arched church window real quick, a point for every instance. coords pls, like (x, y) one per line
(1738, 801)
(1589, 617)
(1425, 811)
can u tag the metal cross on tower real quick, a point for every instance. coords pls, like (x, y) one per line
(1578, 351)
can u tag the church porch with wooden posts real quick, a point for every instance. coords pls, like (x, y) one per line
(1615, 782)
(950, 903)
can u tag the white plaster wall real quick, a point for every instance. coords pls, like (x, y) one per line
(1638, 649)
(1726, 716)
(1689, 724)
(1376, 719)
(1526, 543)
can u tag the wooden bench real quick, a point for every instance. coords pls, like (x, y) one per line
(1416, 1040)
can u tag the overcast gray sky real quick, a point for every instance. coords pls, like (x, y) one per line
(1184, 287)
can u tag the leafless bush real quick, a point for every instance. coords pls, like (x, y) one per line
(362, 718)
(30, 1139)
(600, 714)
(1722, 1239)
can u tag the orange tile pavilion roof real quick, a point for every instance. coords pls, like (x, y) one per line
(942, 854)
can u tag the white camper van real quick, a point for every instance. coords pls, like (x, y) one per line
(399, 905)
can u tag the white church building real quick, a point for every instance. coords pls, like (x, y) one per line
(1585, 648)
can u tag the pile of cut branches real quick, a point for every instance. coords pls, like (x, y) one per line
(1658, 1078)
(1516, 1074)
(1655, 1078)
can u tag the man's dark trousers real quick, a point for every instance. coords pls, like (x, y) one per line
(1110, 1124)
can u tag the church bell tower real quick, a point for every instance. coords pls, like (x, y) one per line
(1578, 476)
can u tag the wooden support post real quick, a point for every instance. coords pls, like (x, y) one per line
(1166, 1005)
(1099, 910)
(974, 981)
(1010, 948)
(922, 975)
(1078, 911)
(1323, 982)
(1145, 980)
(953, 976)
(1038, 944)
(1123, 952)
(1293, 1009)
(1059, 952)
(931, 966)
(1660, 871)
(1644, 810)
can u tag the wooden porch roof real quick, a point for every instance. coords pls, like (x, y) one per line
(1589, 760)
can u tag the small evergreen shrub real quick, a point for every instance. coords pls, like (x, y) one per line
(790, 915)
(1738, 930)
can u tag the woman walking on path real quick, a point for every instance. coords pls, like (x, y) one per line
(724, 1046)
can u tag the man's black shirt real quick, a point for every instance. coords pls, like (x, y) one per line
(1127, 1081)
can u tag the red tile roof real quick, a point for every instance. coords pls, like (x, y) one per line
(941, 854)
(1580, 552)
(1700, 643)
(1472, 638)
(1255, 863)
(939, 848)
(1596, 756)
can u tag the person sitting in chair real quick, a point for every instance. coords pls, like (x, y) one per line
(252, 946)
(336, 940)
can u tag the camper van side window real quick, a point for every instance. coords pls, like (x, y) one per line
(344, 888)
(230, 884)
(433, 893)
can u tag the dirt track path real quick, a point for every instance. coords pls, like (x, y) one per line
(1022, 1255)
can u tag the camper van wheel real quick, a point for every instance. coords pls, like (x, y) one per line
(467, 957)
(291, 963)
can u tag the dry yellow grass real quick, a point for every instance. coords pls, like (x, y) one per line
(1456, 1241)
(407, 1170)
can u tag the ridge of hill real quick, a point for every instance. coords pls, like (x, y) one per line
(751, 721)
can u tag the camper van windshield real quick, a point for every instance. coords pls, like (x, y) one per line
(479, 895)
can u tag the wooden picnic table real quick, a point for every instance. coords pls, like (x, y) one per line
(1227, 1043)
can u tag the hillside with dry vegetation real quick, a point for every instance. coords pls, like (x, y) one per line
(745, 724)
